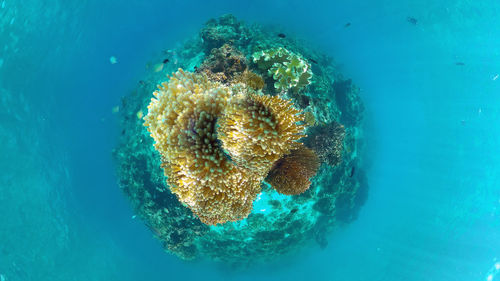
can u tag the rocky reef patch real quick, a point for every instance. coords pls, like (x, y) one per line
(249, 148)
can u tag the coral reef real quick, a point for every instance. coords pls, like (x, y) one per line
(165, 197)
(290, 175)
(289, 70)
(256, 130)
(226, 29)
(229, 66)
(348, 101)
(328, 142)
(223, 63)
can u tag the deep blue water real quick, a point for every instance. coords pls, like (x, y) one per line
(433, 211)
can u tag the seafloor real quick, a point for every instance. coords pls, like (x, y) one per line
(278, 224)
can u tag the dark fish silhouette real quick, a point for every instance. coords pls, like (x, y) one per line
(412, 20)
(293, 211)
(313, 61)
(351, 173)
(459, 63)
(166, 60)
(281, 35)
(347, 24)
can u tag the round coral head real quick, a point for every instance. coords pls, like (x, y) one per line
(291, 174)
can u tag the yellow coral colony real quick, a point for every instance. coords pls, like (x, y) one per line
(191, 116)
(182, 122)
(258, 129)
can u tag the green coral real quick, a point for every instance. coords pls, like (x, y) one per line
(289, 70)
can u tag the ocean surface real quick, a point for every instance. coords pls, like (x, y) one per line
(431, 89)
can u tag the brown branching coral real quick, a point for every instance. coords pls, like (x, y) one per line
(189, 119)
(258, 129)
(290, 175)
(328, 142)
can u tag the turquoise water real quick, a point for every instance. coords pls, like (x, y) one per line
(432, 101)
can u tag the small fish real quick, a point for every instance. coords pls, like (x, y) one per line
(351, 173)
(115, 109)
(459, 63)
(158, 67)
(293, 211)
(313, 61)
(495, 77)
(281, 35)
(142, 83)
(113, 60)
(166, 60)
(134, 216)
(347, 24)
(139, 114)
(412, 20)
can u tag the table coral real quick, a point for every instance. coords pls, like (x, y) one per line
(289, 70)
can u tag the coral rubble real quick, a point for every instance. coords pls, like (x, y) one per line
(225, 145)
